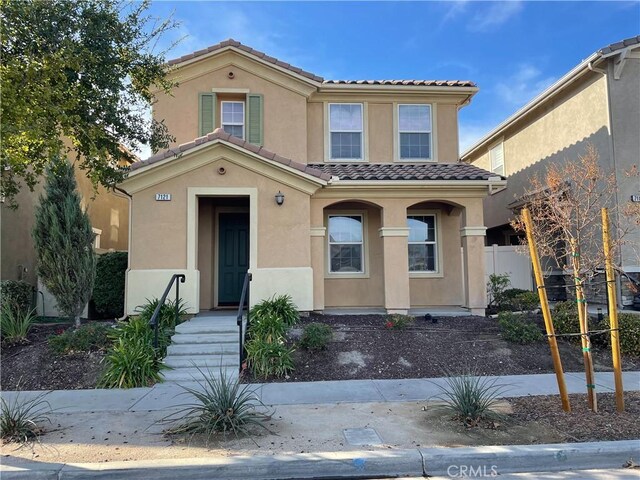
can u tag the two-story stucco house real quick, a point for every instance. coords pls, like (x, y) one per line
(597, 103)
(339, 193)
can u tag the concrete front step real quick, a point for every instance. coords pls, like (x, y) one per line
(176, 349)
(192, 374)
(211, 361)
(207, 328)
(188, 338)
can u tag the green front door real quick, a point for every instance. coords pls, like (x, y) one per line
(233, 256)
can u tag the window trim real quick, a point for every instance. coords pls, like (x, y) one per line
(399, 132)
(499, 143)
(439, 271)
(365, 244)
(244, 116)
(433, 110)
(364, 151)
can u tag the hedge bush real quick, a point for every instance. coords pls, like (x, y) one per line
(629, 325)
(565, 318)
(108, 291)
(17, 294)
(316, 336)
(518, 328)
(89, 337)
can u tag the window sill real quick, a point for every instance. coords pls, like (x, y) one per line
(426, 275)
(334, 276)
(345, 160)
(415, 160)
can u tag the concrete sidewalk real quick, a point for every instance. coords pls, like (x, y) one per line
(168, 396)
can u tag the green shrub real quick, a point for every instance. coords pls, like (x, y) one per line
(471, 398)
(167, 315)
(525, 301)
(20, 420)
(87, 338)
(267, 327)
(269, 359)
(221, 405)
(281, 306)
(629, 325)
(17, 294)
(316, 336)
(496, 287)
(518, 328)
(15, 323)
(565, 318)
(131, 363)
(398, 321)
(108, 290)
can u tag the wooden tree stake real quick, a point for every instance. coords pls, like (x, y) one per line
(546, 312)
(613, 312)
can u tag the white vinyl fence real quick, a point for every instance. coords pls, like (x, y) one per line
(512, 261)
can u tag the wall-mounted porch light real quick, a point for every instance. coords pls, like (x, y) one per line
(279, 198)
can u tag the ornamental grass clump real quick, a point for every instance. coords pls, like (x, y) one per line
(15, 323)
(21, 420)
(220, 405)
(471, 398)
(281, 306)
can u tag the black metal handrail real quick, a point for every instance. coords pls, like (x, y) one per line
(153, 321)
(244, 301)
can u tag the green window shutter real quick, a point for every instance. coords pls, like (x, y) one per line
(254, 119)
(207, 113)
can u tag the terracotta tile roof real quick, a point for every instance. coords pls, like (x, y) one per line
(263, 56)
(220, 135)
(627, 42)
(424, 83)
(252, 51)
(403, 171)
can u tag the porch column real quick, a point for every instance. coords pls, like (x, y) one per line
(475, 290)
(317, 264)
(395, 233)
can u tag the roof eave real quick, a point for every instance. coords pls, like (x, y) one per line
(331, 88)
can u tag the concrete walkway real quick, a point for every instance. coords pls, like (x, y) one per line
(169, 396)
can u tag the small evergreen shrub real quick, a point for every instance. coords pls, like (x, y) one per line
(21, 420)
(279, 306)
(496, 287)
(471, 398)
(269, 358)
(15, 323)
(17, 294)
(316, 336)
(565, 318)
(518, 328)
(629, 325)
(108, 290)
(398, 321)
(88, 338)
(525, 301)
(222, 405)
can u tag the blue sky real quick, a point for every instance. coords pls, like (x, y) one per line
(512, 50)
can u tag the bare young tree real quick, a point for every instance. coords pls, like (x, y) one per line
(565, 205)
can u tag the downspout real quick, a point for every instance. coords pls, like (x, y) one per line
(612, 153)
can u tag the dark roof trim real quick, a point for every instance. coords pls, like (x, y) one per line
(219, 135)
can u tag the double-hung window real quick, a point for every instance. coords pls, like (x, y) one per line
(497, 159)
(423, 255)
(345, 131)
(414, 131)
(233, 118)
(346, 246)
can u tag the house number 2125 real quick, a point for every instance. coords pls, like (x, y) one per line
(163, 197)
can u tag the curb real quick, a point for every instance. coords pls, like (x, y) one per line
(453, 462)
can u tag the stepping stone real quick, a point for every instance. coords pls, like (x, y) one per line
(362, 436)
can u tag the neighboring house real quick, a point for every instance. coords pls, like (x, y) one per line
(343, 194)
(108, 212)
(598, 103)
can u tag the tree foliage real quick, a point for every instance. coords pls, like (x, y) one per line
(63, 241)
(81, 70)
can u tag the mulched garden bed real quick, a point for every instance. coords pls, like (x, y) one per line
(363, 348)
(33, 366)
(581, 424)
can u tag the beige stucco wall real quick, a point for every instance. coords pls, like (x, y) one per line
(285, 109)
(108, 212)
(556, 132)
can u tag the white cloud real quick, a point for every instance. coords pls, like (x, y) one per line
(497, 13)
(524, 84)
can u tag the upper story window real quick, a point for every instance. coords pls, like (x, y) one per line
(497, 159)
(346, 244)
(233, 118)
(414, 130)
(345, 130)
